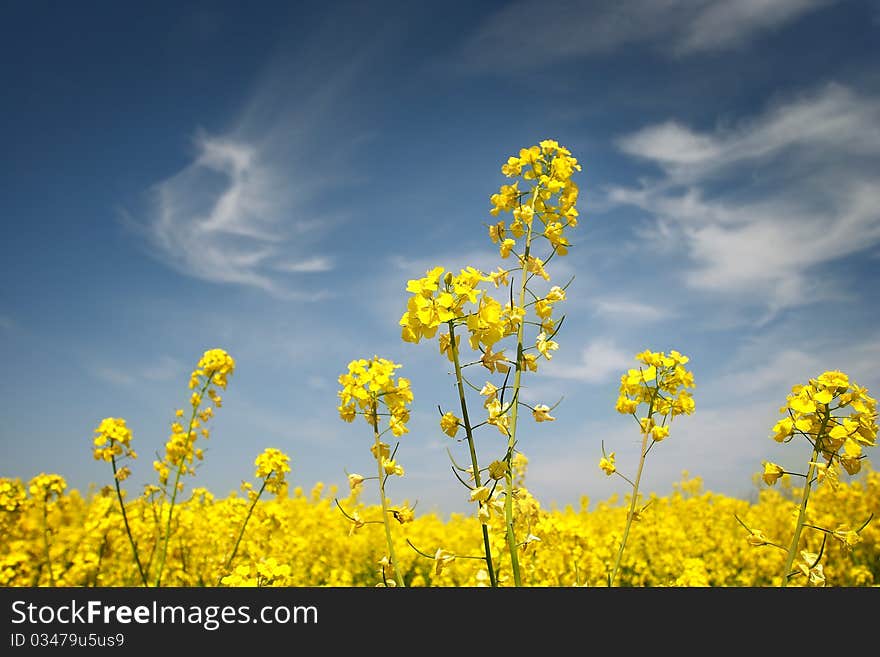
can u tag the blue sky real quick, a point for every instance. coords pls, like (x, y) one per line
(266, 177)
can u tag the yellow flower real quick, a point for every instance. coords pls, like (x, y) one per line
(848, 537)
(499, 277)
(783, 429)
(45, 486)
(496, 417)
(383, 450)
(536, 266)
(355, 482)
(658, 432)
(480, 494)
(626, 405)
(542, 413)
(772, 472)
(216, 366)
(369, 383)
(505, 200)
(441, 559)
(489, 391)
(496, 232)
(398, 425)
(391, 467)
(272, 465)
(495, 362)
(811, 569)
(347, 412)
(498, 469)
(606, 463)
(403, 515)
(112, 439)
(449, 424)
(356, 523)
(545, 346)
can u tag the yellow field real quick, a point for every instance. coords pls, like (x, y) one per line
(690, 538)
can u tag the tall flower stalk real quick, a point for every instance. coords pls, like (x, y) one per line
(545, 210)
(838, 419)
(43, 488)
(113, 443)
(212, 371)
(272, 467)
(661, 386)
(367, 386)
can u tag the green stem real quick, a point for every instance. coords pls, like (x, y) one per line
(632, 509)
(134, 551)
(802, 513)
(470, 440)
(397, 576)
(241, 533)
(46, 542)
(511, 436)
(167, 536)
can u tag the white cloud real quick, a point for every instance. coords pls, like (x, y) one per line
(769, 366)
(802, 191)
(670, 143)
(581, 28)
(312, 265)
(621, 309)
(781, 371)
(214, 219)
(248, 208)
(723, 25)
(833, 118)
(601, 360)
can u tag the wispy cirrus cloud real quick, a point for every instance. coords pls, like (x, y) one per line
(570, 29)
(250, 208)
(307, 266)
(799, 190)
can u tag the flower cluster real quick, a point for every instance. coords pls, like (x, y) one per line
(548, 167)
(366, 385)
(214, 367)
(838, 419)
(45, 486)
(113, 441)
(369, 383)
(272, 465)
(212, 372)
(12, 494)
(661, 385)
(268, 572)
(835, 415)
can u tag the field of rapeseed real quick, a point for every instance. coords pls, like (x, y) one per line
(690, 538)
(810, 526)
